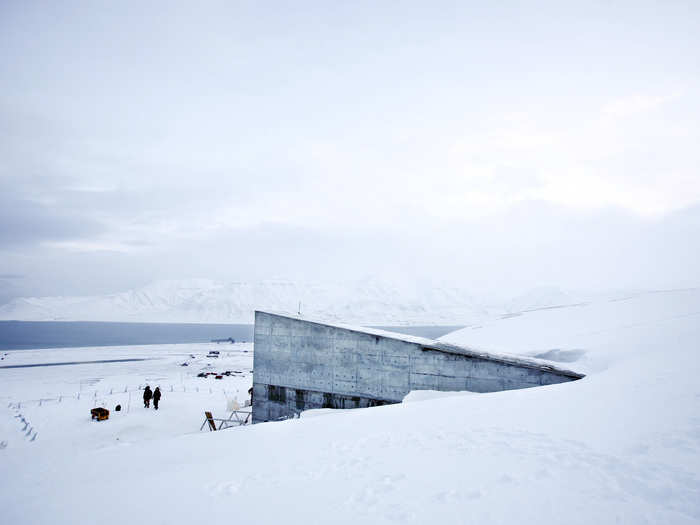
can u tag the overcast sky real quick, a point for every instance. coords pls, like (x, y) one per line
(496, 148)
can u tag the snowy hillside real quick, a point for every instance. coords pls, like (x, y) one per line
(202, 300)
(621, 445)
(541, 297)
(589, 333)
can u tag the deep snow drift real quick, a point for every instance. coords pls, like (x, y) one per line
(619, 446)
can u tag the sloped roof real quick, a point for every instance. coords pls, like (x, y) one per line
(437, 346)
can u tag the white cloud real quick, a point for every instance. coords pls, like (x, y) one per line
(184, 139)
(636, 104)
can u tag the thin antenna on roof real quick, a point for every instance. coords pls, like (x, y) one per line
(299, 312)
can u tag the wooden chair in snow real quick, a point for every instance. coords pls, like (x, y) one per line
(210, 420)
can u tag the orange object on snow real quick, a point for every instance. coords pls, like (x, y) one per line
(99, 413)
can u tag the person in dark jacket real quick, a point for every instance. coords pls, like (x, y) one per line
(156, 397)
(147, 395)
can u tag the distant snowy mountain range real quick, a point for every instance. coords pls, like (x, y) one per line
(207, 301)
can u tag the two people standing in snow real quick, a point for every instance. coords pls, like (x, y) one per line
(156, 397)
(148, 395)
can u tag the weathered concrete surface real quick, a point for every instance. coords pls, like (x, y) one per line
(301, 364)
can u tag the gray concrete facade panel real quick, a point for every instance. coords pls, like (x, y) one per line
(312, 361)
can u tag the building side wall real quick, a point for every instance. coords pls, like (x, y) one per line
(296, 362)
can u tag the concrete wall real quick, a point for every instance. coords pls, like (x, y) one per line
(300, 365)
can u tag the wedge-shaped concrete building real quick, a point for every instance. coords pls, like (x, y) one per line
(301, 364)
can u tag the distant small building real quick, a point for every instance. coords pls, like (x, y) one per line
(300, 364)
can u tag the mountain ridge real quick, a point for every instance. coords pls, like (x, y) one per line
(367, 302)
(208, 301)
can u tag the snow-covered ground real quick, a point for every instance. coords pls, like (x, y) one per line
(55, 401)
(619, 446)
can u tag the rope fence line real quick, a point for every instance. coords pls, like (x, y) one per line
(28, 428)
(112, 392)
(30, 433)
